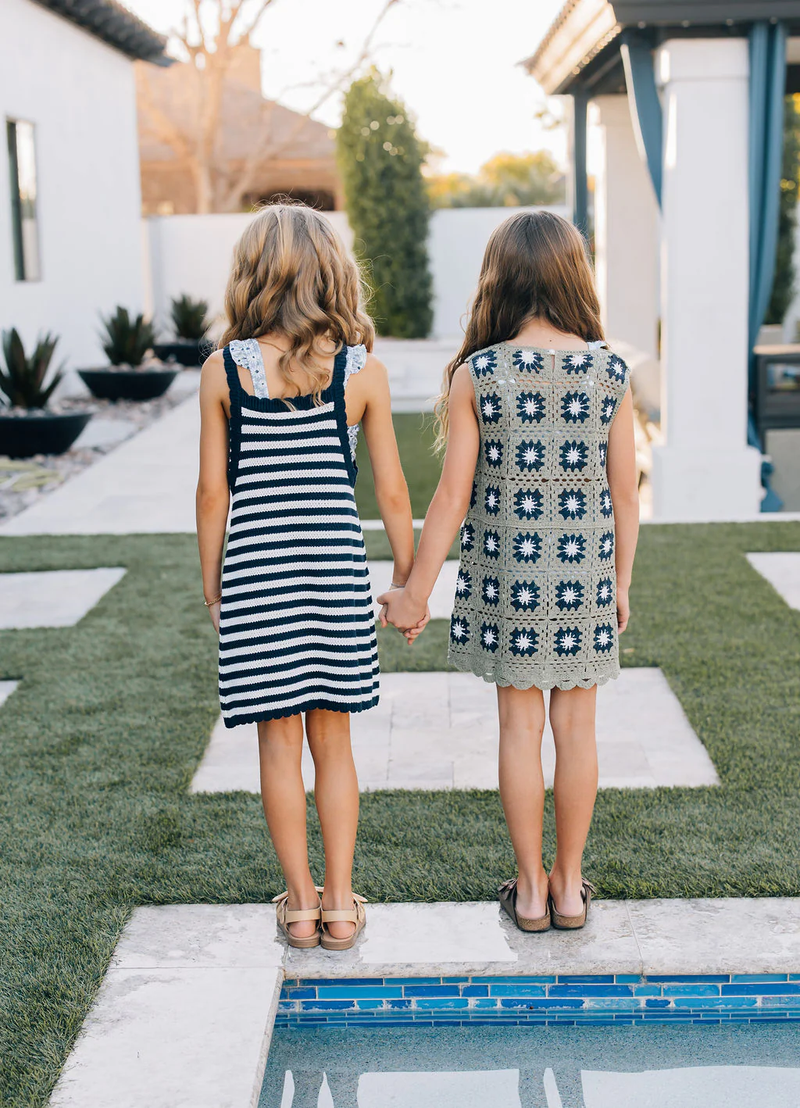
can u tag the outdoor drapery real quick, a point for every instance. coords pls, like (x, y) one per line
(645, 105)
(767, 84)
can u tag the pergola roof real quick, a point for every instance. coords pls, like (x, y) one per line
(115, 25)
(575, 48)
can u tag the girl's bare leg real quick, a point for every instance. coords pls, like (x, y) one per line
(336, 797)
(522, 791)
(280, 749)
(572, 717)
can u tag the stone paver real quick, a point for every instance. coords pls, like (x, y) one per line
(441, 601)
(184, 1016)
(439, 731)
(6, 689)
(782, 570)
(53, 598)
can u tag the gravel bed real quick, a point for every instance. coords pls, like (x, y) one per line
(24, 480)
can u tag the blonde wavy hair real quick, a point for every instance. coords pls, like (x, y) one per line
(293, 275)
(536, 266)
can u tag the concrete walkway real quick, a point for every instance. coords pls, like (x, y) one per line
(185, 1015)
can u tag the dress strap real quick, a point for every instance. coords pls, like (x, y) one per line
(597, 344)
(247, 353)
(356, 359)
(231, 372)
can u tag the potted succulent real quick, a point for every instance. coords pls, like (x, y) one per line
(190, 324)
(26, 426)
(127, 341)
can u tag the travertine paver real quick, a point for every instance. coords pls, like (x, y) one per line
(441, 600)
(53, 598)
(6, 689)
(782, 570)
(439, 731)
(184, 1016)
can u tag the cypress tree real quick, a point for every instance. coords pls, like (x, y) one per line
(380, 158)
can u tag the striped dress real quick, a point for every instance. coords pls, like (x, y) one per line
(297, 626)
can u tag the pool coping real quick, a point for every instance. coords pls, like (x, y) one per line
(186, 1011)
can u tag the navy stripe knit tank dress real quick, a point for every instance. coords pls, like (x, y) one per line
(297, 626)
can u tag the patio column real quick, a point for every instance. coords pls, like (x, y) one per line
(705, 470)
(626, 230)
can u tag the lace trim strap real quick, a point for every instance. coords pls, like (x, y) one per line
(356, 360)
(247, 353)
(597, 344)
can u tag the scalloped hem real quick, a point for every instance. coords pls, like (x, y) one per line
(536, 681)
(285, 713)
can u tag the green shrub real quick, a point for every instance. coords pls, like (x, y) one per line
(380, 158)
(22, 383)
(189, 318)
(127, 340)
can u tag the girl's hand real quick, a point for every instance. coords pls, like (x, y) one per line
(213, 611)
(623, 610)
(411, 634)
(402, 611)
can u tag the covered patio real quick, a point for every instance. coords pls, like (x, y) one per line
(687, 100)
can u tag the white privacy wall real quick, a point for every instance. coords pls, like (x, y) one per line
(80, 95)
(192, 254)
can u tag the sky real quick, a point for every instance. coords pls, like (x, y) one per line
(454, 63)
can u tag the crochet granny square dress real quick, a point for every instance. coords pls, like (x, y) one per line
(535, 601)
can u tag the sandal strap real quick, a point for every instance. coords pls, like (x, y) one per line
(339, 916)
(303, 914)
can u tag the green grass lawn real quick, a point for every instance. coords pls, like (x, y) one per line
(414, 433)
(100, 741)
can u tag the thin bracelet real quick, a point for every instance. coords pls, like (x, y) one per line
(396, 586)
(210, 603)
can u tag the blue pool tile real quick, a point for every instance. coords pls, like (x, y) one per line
(325, 1005)
(413, 980)
(353, 992)
(431, 990)
(344, 981)
(699, 1019)
(628, 978)
(585, 979)
(287, 1006)
(518, 990)
(487, 1003)
(715, 1002)
(647, 990)
(442, 1002)
(475, 990)
(696, 988)
(521, 980)
(456, 980)
(297, 992)
(794, 976)
(609, 1003)
(786, 988)
(364, 1003)
(535, 1002)
(396, 1004)
(656, 1002)
(745, 978)
(780, 1000)
(686, 978)
(590, 990)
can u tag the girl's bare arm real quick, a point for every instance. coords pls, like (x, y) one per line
(213, 497)
(448, 506)
(622, 483)
(391, 490)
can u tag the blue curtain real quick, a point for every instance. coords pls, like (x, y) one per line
(767, 85)
(645, 105)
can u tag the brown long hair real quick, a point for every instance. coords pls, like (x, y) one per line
(292, 274)
(536, 265)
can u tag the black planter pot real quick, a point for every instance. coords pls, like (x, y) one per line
(51, 433)
(128, 384)
(185, 352)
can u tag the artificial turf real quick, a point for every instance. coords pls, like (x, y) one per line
(100, 741)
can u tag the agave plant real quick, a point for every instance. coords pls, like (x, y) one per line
(126, 340)
(189, 318)
(22, 382)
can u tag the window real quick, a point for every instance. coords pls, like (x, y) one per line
(25, 228)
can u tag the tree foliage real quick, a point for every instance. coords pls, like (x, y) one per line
(380, 160)
(505, 181)
(785, 273)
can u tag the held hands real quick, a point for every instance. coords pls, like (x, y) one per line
(403, 612)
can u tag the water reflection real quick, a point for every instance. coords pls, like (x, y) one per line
(602, 1067)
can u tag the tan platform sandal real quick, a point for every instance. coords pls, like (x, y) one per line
(357, 915)
(285, 917)
(507, 895)
(573, 923)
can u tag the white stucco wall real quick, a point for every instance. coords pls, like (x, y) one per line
(80, 95)
(192, 254)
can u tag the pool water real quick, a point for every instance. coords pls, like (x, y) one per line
(638, 1066)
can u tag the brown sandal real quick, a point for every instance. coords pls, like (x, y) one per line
(507, 895)
(357, 916)
(285, 917)
(573, 923)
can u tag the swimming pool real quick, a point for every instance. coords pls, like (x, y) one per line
(639, 1065)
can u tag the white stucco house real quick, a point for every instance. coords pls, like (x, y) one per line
(70, 231)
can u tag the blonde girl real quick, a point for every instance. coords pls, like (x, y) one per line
(281, 403)
(538, 419)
